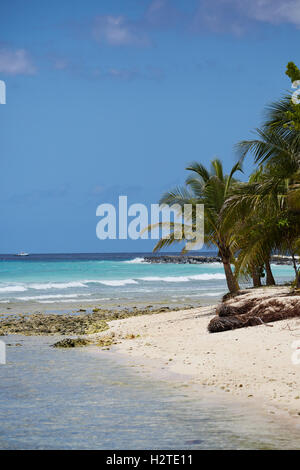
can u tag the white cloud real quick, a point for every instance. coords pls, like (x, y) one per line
(237, 16)
(218, 16)
(118, 31)
(268, 11)
(15, 62)
(275, 11)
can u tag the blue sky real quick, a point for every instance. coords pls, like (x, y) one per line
(106, 98)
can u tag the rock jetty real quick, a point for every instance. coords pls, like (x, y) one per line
(182, 259)
(193, 259)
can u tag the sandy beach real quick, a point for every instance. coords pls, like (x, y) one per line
(235, 389)
(253, 364)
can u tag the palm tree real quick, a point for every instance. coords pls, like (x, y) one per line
(210, 188)
(251, 214)
(254, 237)
(277, 147)
(274, 193)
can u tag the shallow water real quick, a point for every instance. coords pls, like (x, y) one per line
(80, 399)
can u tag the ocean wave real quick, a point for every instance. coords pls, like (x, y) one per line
(166, 279)
(56, 285)
(55, 296)
(207, 277)
(13, 289)
(79, 301)
(42, 286)
(124, 282)
(118, 283)
(135, 261)
(195, 277)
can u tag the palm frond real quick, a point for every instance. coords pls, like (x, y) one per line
(200, 170)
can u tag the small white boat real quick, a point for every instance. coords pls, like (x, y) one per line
(22, 253)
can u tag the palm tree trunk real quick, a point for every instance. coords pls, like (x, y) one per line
(270, 281)
(256, 278)
(296, 271)
(232, 283)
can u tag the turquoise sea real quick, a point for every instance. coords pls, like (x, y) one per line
(112, 279)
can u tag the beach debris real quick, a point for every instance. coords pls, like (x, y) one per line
(241, 313)
(130, 336)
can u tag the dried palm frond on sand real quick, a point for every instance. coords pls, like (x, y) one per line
(247, 310)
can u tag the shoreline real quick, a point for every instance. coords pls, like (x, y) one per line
(251, 364)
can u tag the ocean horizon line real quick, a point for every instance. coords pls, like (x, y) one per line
(178, 253)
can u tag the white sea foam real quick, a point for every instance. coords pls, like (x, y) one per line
(106, 282)
(207, 277)
(72, 300)
(13, 289)
(57, 296)
(118, 283)
(166, 279)
(196, 277)
(111, 282)
(135, 261)
(56, 285)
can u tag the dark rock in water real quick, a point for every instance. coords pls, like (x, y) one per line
(282, 260)
(195, 259)
(193, 442)
(182, 259)
(71, 343)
